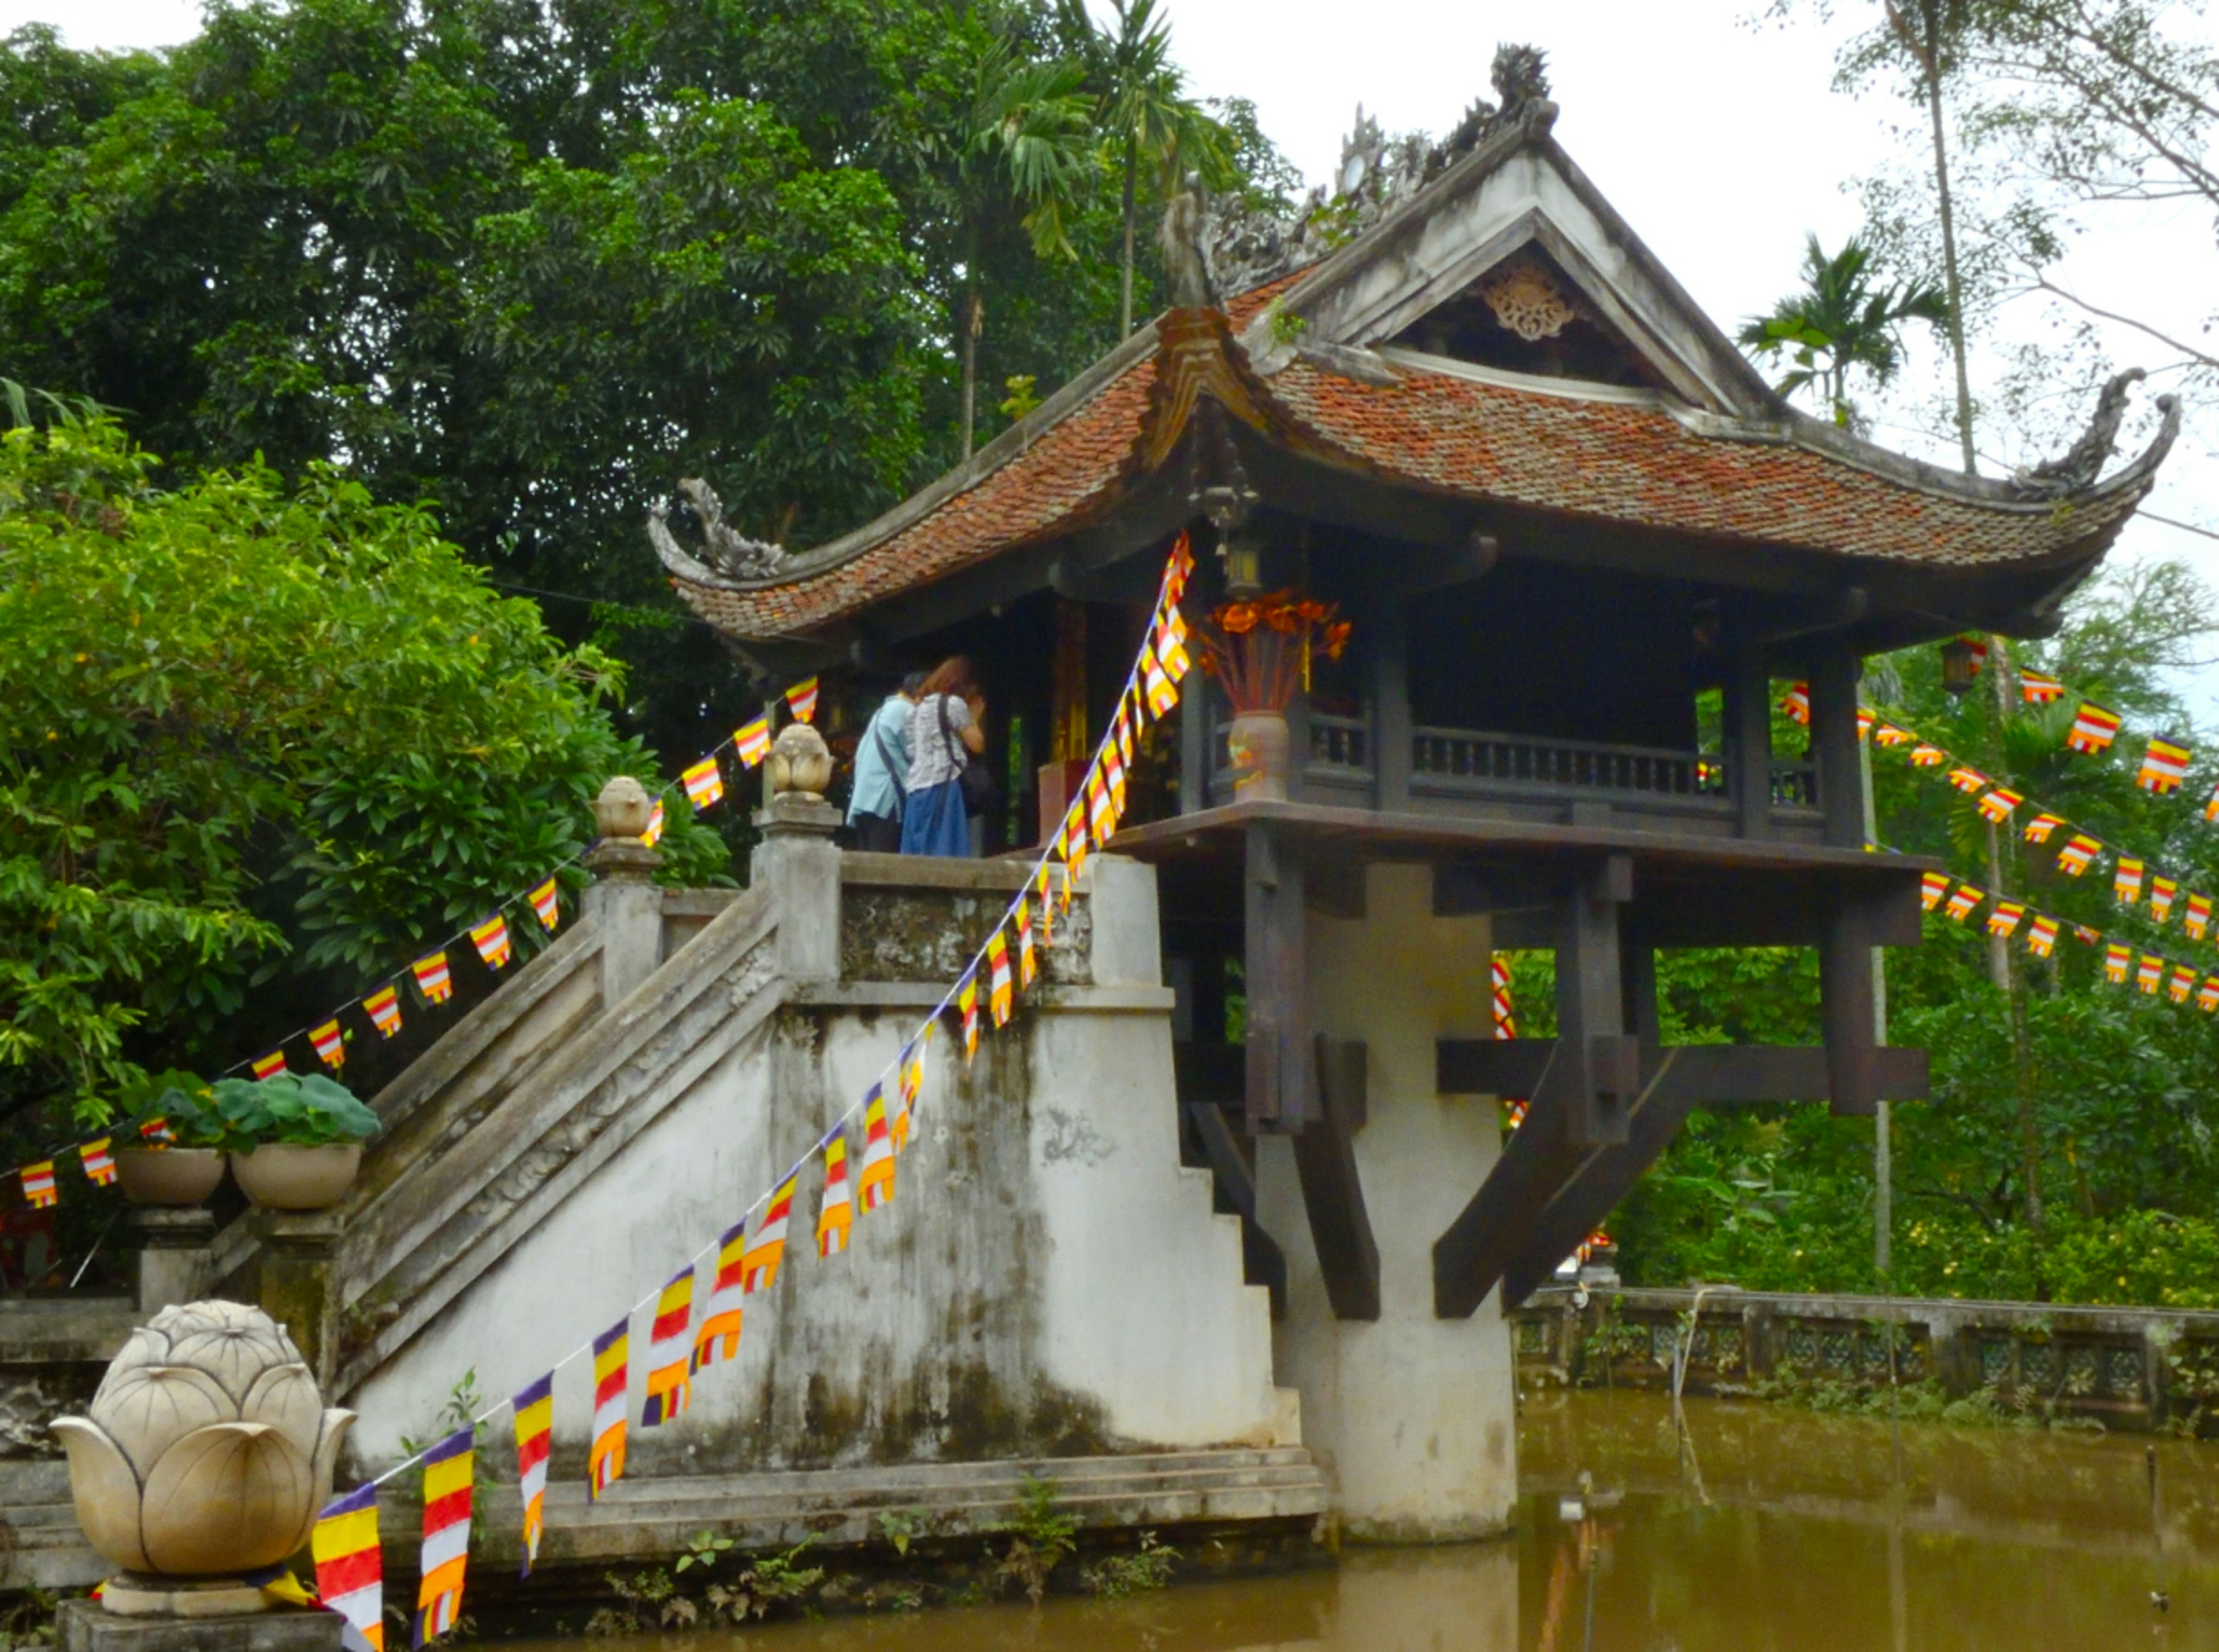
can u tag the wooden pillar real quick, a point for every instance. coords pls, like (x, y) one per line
(1390, 701)
(1194, 744)
(1834, 740)
(1749, 735)
(1845, 1006)
(1279, 1058)
(1605, 1064)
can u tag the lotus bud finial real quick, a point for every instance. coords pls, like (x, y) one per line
(209, 1451)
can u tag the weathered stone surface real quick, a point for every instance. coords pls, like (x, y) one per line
(83, 1626)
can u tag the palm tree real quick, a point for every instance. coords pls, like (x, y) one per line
(1841, 320)
(1143, 108)
(1023, 144)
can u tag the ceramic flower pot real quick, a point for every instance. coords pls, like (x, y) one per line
(207, 1453)
(277, 1175)
(1257, 743)
(168, 1175)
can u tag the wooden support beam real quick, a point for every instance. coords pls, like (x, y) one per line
(1846, 1008)
(1834, 744)
(1490, 1231)
(1390, 698)
(1194, 745)
(1601, 1066)
(1280, 1078)
(1333, 1193)
(1262, 1262)
(1712, 1075)
(1748, 711)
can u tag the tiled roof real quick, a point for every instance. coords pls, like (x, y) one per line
(1631, 463)
(1627, 461)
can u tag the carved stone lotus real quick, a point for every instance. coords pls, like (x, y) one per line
(208, 1451)
(800, 761)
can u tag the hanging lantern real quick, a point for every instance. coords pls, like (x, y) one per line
(1961, 658)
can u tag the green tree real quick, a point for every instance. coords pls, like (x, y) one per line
(1842, 321)
(257, 747)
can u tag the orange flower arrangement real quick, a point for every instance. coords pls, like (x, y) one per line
(1260, 651)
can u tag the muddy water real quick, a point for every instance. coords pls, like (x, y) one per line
(1764, 1530)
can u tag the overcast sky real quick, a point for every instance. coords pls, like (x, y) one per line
(1719, 141)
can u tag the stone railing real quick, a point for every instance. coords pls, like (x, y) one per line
(2132, 1368)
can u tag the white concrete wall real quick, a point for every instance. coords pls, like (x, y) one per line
(1411, 1416)
(1047, 1278)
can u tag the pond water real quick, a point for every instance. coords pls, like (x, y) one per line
(1761, 1528)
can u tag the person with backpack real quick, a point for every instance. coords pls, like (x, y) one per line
(946, 788)
(875, 807)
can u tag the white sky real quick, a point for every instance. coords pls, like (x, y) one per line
(1719, 141)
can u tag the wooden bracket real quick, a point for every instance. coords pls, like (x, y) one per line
(1333, 1192)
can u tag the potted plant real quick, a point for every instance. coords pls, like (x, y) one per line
(296, 1139)
(181, 1164)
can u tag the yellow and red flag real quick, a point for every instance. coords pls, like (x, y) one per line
(330, 1044)
(2004, 918)
(491, 939)
(1925, 756)
(2165, 765)
(836, 1211)
(605, 1457)
(1962, 903)
(766, 1245)
(875, 1176)
(2195, 917)
(1887, 734)
(2127, 881)
(2117, 960)
(2079, 850)
(384, 1008)
(1798, 703)
(2207, 996)
(269, 1065)
(1027, 966)
(752, 740)
(2093, 730)
(2039, 829)
(1505, 1024)
(703, 782)
(669, 1345)
(999, 995)
(1998, 805)
(349, 1566)
(99, 1163)
(39, 1184)
(448, 1474)
(911, 1083)
(718, 1338)
(1864, 723)
(656, 822)
(801, 700)
(2042, 935)
(1968, 780)
(967, 1001)
(2162, 890)
(2039, 687)
(432, 979)
(2147, 975)
(1932, 887)
(546, 907)
(534, 1407)
(2182, 983)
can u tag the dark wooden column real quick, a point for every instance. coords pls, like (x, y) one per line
(1279, 1060)
(1333, 1193)
(1604, 1069)
(1845, 1007)
(1390, 700)
(1834, 668)
(1194, 744)
(1749, 735)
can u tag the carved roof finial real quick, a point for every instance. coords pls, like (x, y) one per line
(1520, 76)
(2081, 463)
(1186, 261)
(723, 550)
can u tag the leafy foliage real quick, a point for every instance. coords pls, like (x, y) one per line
(1842, 321)
(302, 1110)
(257, 746)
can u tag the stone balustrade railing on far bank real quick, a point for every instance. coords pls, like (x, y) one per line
(2129, 1369)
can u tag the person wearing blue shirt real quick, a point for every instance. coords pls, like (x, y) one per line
(874, 808)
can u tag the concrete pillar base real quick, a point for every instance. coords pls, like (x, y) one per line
(86, 1626)
(173, 1254)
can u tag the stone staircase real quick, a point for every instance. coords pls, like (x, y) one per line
(41, 1547)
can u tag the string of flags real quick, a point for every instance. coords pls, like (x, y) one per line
(746, 1258)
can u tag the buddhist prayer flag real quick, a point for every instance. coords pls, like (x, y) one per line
(1171, 642)
(1101, 813)
(1925, 756)
(432, 979)
(39, 1184)
(155, 1133)
(653, 835)
(801, 700)
(383, 1007)
(2005, 917)
(1182, 564)
(1998, 805)
(2161, 892)
(2183, 984)
(1797, 703)
(2211, 805)
(911, 1080)
(99, 1163)
(2085, 936)
(766, 1245)
(2127, 881)
(2039, 687)
(1888, 735)
(2093, 730)
(329, 1043)
(1074, 847)
(1047, 902)
(535, 1437)
(1932, 887)
(999, 995)
(669, 1346)
(718, 1338)
(967, 1000)
(1962, 903)
(2117, 960)
(447, 1476)
(1505, 1024)
(269, 1065)
(2196, 918)
(1968, 780)
(703, 782)
(491, 939)
(2207, 996)
(1864, 722)
(2079, 849)
(2042, 935)
(752, 740)
(349, 1568)
(836, 1211)
(2165, 765)
(546, 907)
(1113, 766)
(1162, 697)
(2147, 975)
(1027, 966)
(1123, 730)
(605, 1458)
(2039, 829)
(875, 1179)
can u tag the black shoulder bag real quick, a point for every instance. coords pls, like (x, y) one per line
(972, 778)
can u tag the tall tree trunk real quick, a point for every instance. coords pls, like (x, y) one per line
(2010, 981)
(1931, 54)
(970, 323)
(1125, 288)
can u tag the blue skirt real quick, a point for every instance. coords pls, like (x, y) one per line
(934, 822)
